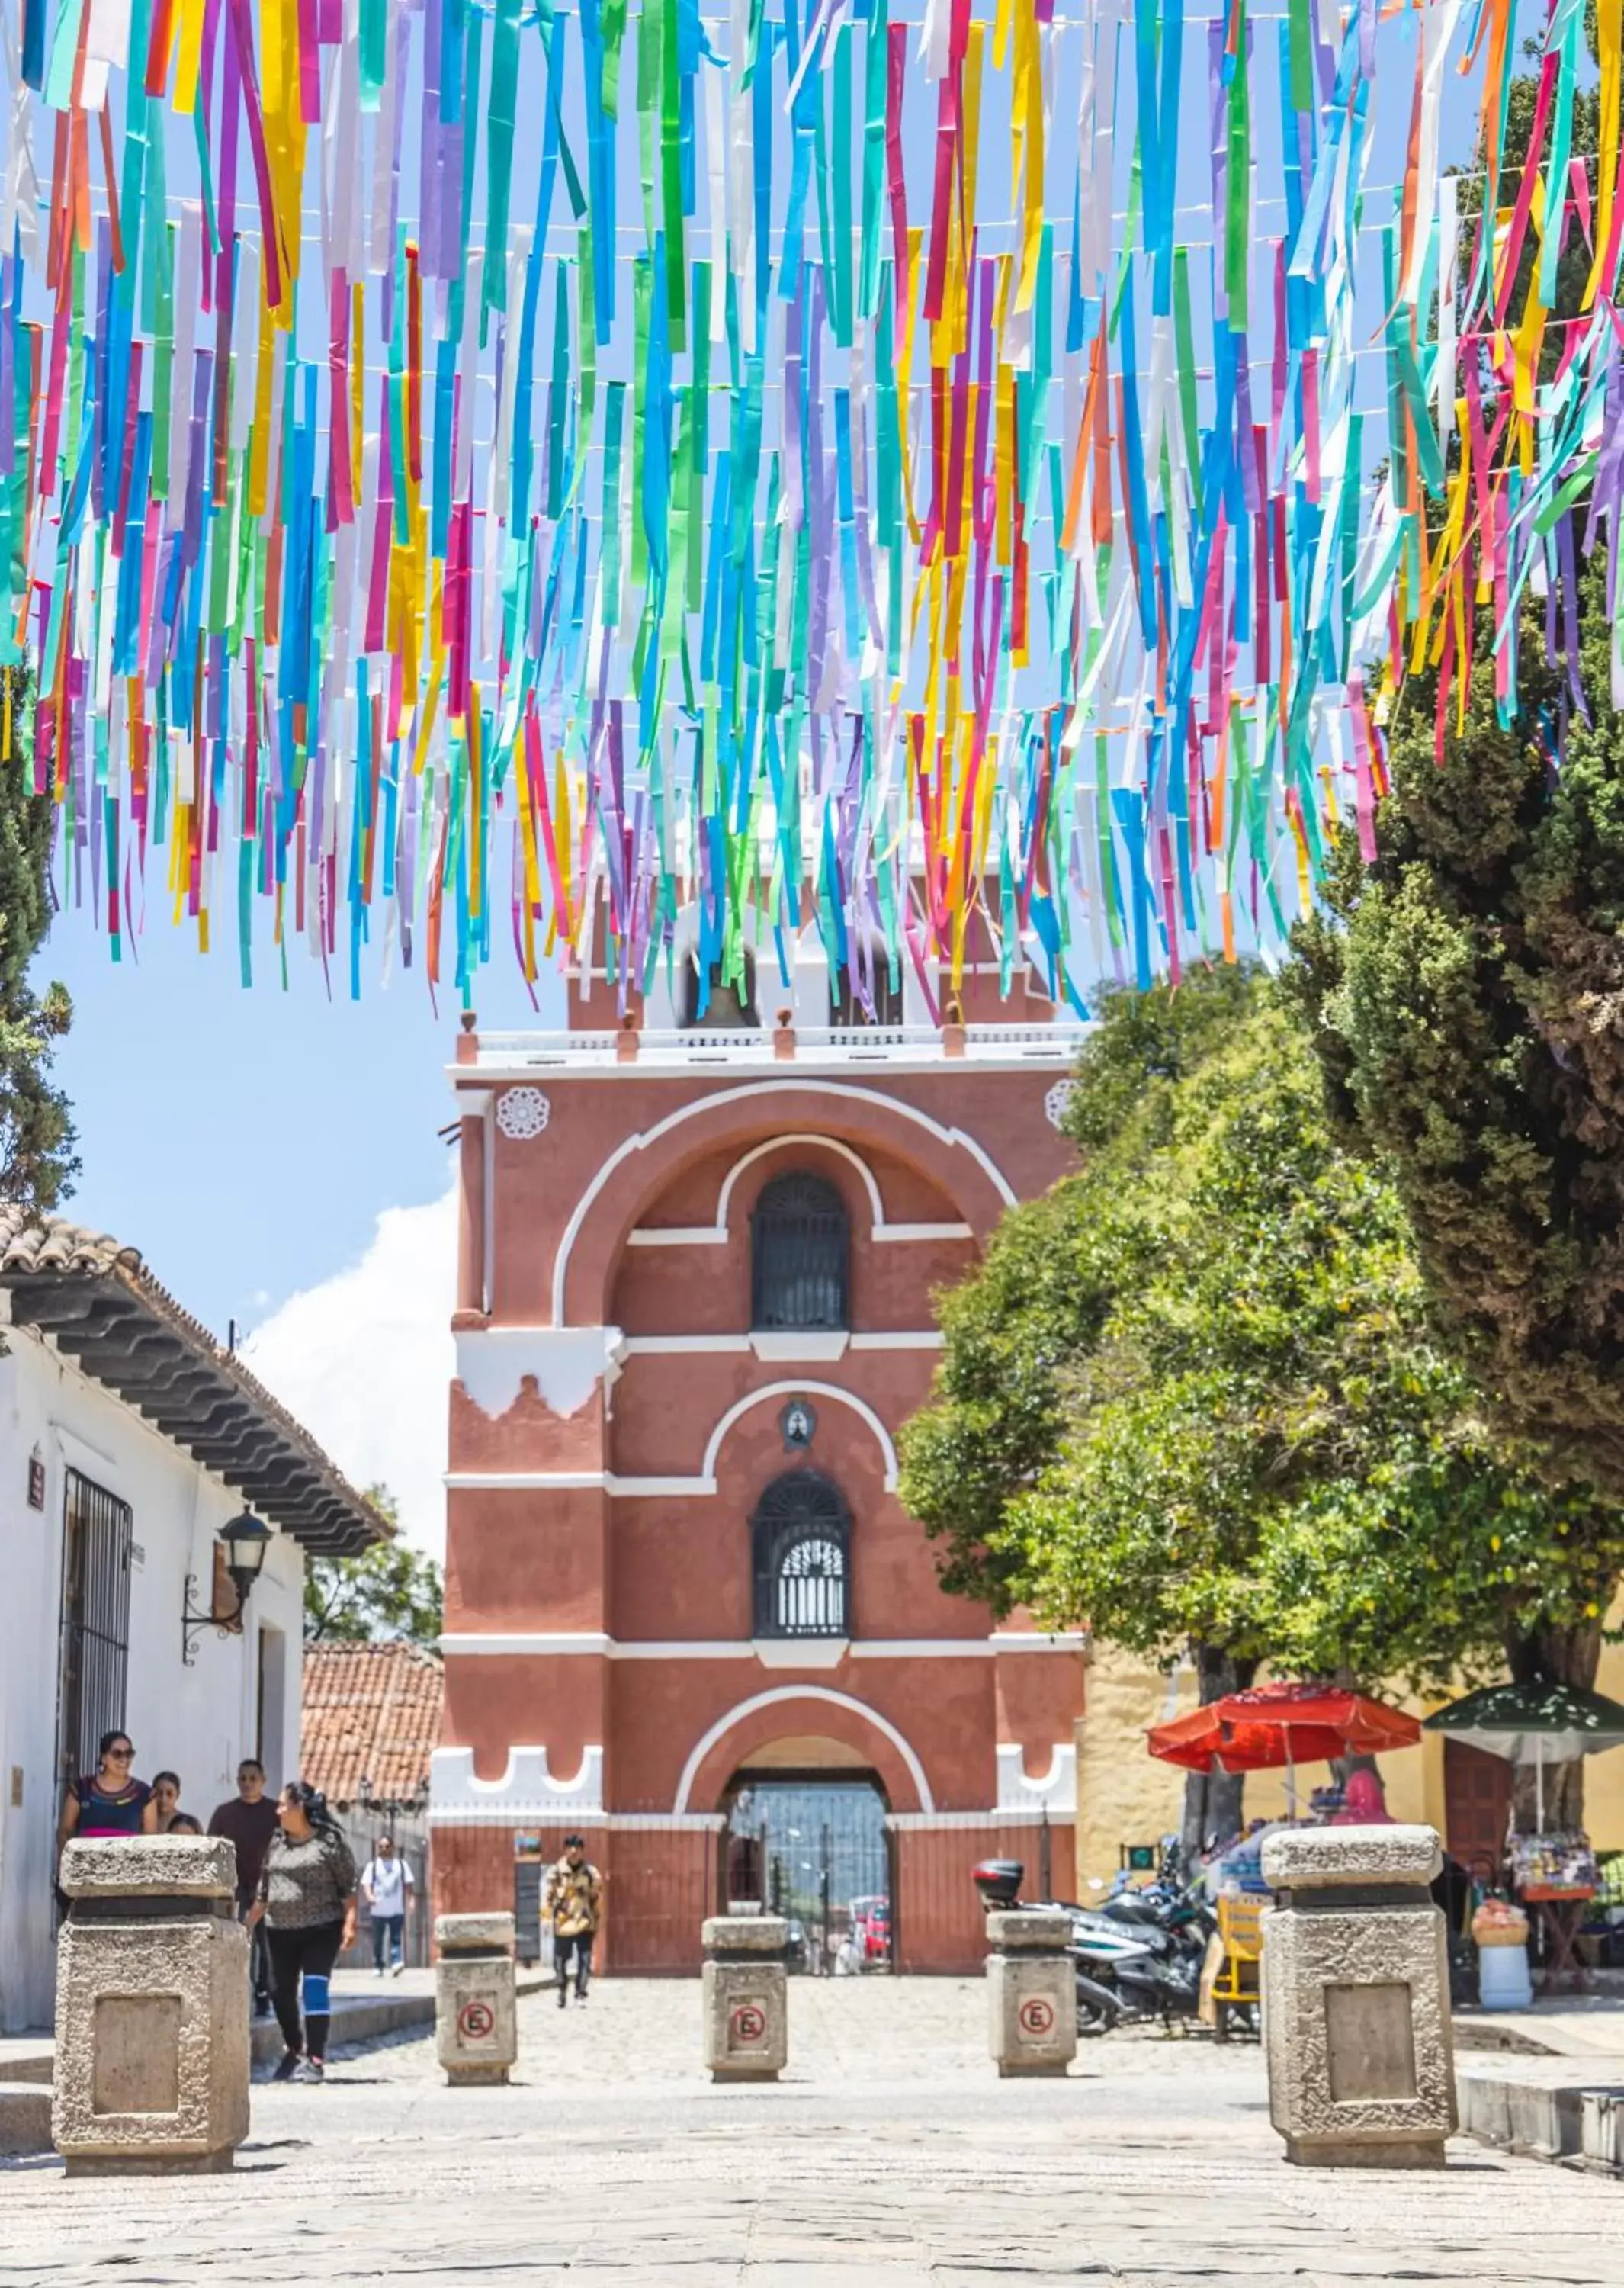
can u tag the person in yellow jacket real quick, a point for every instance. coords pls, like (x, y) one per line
(573, 1905)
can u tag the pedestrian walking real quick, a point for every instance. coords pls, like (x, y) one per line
(110, 1800)
(166, 1799)
(574, 1906)
(386, 1882)
(248, 1820)
(307, 1901)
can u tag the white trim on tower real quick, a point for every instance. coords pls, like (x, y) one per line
(551, 1642)
(753, 1398)
(954, 1138)
(783, 1692)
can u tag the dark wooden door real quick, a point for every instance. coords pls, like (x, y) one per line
(1477, 1806)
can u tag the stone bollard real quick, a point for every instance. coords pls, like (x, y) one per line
(747, 2011)
(152, 2021)
(1031, 1992)
(1356, 1998)
(476, 2023)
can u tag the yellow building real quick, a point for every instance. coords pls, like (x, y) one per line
(1124, 1796)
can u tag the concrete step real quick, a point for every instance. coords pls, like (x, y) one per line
(27, 2057)
(1548, 2108)
(394, 2006)
(27, 2062)
(356, 2019)
(24, 2117)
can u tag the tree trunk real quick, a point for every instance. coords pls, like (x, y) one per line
(1549, 1655)
(1213, 1800)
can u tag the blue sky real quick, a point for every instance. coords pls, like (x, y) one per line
(247, 1141)
(275, 1158)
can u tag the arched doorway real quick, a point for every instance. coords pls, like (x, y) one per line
(806, 1838)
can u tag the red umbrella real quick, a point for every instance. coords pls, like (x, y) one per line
(1282, 1724)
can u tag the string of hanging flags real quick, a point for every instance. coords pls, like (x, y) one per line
(477, 472)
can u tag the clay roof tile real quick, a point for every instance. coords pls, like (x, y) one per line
(372, 1712)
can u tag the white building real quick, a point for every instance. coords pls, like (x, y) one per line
(128, 1439)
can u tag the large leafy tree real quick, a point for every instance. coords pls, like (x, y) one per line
(1467, 988)
(390, 1590)
(1193, 1400)
(37, 1162)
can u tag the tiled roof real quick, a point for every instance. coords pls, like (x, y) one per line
(371, 1713)
(96, 1298)
(34, 1243)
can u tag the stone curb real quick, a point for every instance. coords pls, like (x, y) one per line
(24, 2117)
(359, 2018)
(1571, 2117)
(25, 2099)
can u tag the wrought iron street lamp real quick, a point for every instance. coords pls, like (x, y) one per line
(245, 1541)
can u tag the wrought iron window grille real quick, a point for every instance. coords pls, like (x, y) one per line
(800, 1256)
(801, 1540)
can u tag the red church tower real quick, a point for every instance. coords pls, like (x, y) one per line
(685, 1609)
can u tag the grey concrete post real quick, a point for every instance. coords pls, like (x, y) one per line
(1356, 1998)
(1031, 1992)
(746, 1997)
(152, 2016)
(475, 2018)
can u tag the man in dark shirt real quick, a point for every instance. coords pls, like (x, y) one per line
(249, 1821)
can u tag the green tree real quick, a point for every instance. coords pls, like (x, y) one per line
(390, 1590)
(1231, 1434)
(1464, 989)
(37, 1161)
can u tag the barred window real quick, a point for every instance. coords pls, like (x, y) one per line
(93, 1653)
(800, 1534)
(800, 1250)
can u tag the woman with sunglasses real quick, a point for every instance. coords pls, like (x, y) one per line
(110, 1800)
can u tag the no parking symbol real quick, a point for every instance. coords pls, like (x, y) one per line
(748, 2024)
(1037, 2017)
(476, 2020)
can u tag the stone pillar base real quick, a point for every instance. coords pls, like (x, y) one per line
(1356, 1998)
(1032, 1993)
(150, 2165)
(476, 2022)
(152, 2010)
(745, 1997)
(1395, 2153)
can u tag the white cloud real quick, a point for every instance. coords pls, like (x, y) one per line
(366, 1358)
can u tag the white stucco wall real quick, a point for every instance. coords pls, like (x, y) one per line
(198, 1721)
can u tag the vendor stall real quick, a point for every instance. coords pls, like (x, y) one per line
(1553, 1874)
(1272, 1728)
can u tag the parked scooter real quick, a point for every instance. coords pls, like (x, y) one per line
(1138, 1957)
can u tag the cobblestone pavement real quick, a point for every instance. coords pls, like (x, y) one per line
(889, 2157)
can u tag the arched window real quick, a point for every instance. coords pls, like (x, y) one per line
(728, 1008)
(800, 1534)
(800, 1244)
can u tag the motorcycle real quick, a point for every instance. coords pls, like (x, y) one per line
(1136, 1958)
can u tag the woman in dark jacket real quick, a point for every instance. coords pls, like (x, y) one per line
(307, 1899)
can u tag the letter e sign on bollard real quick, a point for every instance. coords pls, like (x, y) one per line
(475, 2020)
(1031, 1992)
(747, 2026)
(746, 2017)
